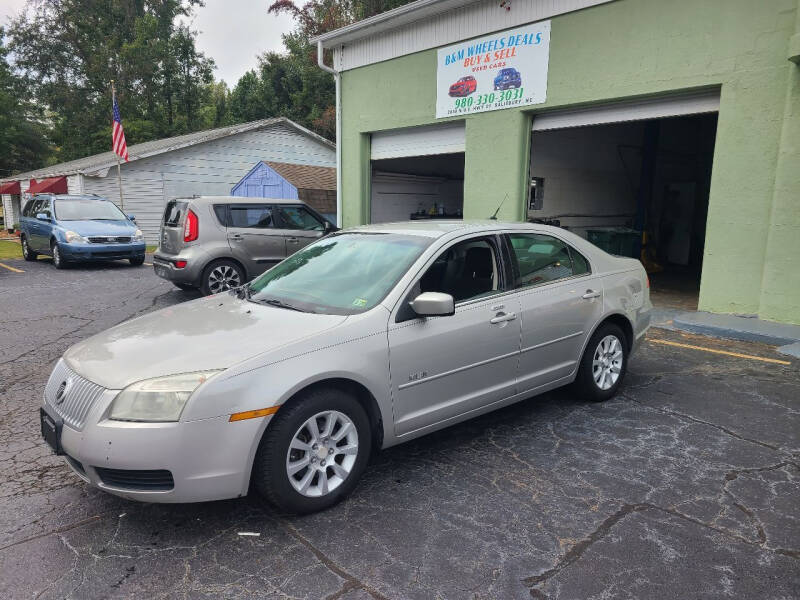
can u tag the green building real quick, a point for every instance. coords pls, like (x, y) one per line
(678, 118)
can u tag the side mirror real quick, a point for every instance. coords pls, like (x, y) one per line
(434, 304)
(329, 227)
(131, 217)
(42, 217)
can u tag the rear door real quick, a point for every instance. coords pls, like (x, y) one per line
(299, 226)
(170, 239)
(253, 238)
(560, 300)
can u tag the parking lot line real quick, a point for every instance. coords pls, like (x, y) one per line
(148, 264)
(725, 352)
(11, 268)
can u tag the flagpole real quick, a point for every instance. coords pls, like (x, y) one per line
(119, 168)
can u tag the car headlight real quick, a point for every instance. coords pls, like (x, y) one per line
(138, 236)
(157, 400)
(75, 238)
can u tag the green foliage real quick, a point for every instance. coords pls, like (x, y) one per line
(69, 51)
(23, 139)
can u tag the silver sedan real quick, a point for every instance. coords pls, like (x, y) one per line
(365, 339)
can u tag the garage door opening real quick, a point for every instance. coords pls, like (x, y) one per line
(417, 173)
(417, 187)
(636, 188)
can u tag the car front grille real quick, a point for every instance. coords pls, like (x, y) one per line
(71, 396)
(102, 239)
(147, 481)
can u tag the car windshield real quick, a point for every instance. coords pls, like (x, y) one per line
(84, 209)
(342, 274)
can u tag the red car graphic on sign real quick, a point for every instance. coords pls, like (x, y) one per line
(464, 86)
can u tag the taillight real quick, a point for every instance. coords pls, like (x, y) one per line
(190, 227)
(180, 264)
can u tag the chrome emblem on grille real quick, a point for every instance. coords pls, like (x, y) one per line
(61, 394)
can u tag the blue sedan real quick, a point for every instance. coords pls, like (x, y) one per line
(79, 229)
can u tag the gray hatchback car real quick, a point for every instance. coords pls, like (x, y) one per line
(216, 243)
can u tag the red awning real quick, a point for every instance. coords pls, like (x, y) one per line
(51, 185)
(10, 187)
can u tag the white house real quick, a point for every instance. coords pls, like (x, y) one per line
(208, 162)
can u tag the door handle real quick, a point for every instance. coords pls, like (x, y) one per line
(502, 318)
(292, 240)
(590, 294)
(236, 236)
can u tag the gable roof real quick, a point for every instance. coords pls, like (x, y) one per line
(306, 176)
(99, 163)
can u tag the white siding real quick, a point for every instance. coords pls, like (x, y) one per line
(463, 23)
(75, 184)
(210, 168)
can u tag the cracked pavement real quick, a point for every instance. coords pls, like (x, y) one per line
(686, 485)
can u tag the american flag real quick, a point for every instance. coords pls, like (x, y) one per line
(118, 134)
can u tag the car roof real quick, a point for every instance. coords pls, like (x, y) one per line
(71, 197)
(434, 228)
(239, 200)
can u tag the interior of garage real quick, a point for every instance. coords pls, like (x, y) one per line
(609, 182)
(417, 187)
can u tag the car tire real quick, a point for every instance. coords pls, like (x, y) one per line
(289, 431)
(58, 260)
(221, 275)
(136, 262)
(604, 364)
(27, 253)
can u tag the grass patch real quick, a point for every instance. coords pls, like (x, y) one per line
(10, 250)
(151, 249)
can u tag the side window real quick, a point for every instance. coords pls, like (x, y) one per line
(27, 211)
(466, 270)
(253, 216)
(44, 207)
(221, 210)
(580, 266)
(542, 259)
(297, 217)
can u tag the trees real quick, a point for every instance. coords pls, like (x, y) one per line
(68, 51)
(23, 141)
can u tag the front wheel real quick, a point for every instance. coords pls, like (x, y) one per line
(603, 364)
(58, 261)
(27, 253)
(313, 452)
(137, 261)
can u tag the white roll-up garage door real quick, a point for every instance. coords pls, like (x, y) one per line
(655, 108)
(418, 141)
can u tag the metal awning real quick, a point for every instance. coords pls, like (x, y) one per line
(10, 187)
(51, 185)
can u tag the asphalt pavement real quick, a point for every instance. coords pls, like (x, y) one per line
(686, 485)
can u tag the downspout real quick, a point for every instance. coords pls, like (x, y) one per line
(337, 79)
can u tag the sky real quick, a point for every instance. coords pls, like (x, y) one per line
(232, 32)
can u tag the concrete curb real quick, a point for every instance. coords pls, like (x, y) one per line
(746, 329)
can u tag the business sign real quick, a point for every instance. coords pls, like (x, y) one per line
(502, 70)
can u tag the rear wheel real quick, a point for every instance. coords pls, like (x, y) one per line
(27, 253)
(313, 452)
(58, 261)
(221, 275)
(603, 364)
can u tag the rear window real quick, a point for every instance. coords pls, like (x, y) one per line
(173, 213)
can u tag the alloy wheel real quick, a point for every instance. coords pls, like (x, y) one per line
(56, 256)
(607, 362)
(25, 250)
(322, 453)
(223, 277)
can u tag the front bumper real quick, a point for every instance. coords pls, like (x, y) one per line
(207, 459)
(91, 252)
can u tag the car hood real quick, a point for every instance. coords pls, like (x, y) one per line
(210, 333)
(104, 227)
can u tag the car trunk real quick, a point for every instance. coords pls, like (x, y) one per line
(171, 237)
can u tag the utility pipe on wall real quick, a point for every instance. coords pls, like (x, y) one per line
(337, 79)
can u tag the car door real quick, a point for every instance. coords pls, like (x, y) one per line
(299, 226)
(38, 237)
(443, 367)
(560, 299)
(253, 238)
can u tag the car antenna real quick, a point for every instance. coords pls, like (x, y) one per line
(494, 216)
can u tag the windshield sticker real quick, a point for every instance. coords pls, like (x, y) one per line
(359, 302)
